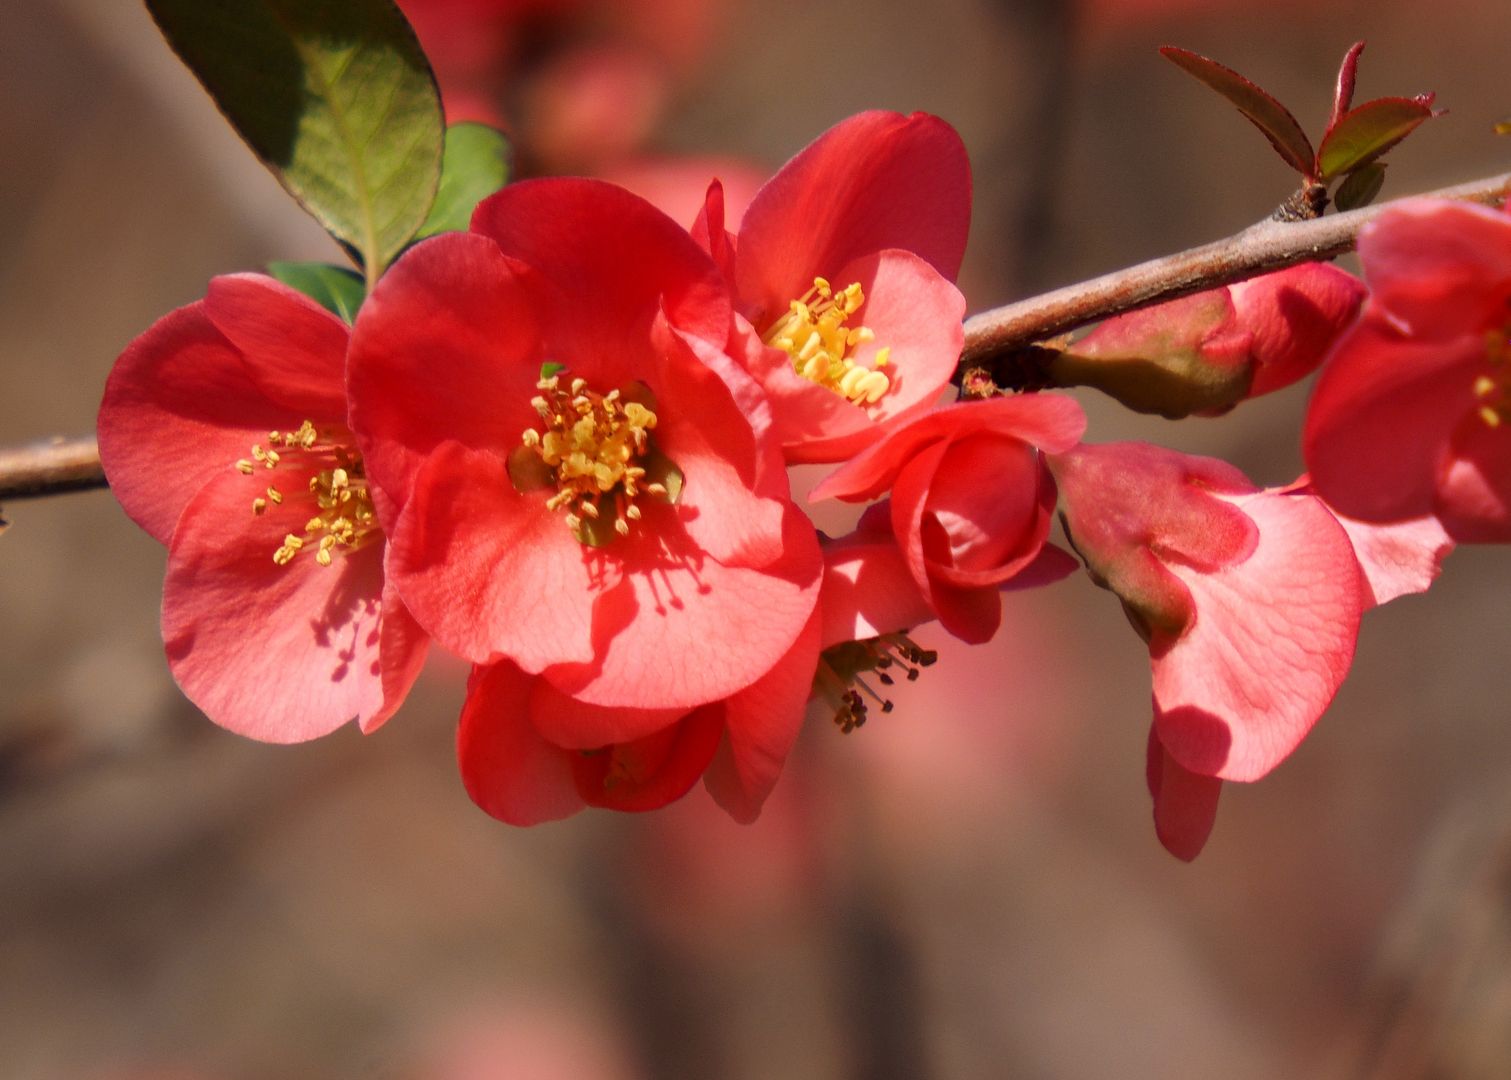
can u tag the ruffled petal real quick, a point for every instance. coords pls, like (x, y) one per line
(447, 348)
(651, 771)
(180, 408)
(1270, 644)
(876, 180)
(575, 724)
(402, 648)
(277, 653)
(489, 572)
(291, 346)
(507, 768)
(762, 724)
(1438, 269)
(1381, 417)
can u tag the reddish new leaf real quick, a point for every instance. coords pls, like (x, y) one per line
(1344, 97)
(1262, 110)
(1363, 134)
(1360, 187)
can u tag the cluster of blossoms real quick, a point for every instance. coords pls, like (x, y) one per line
(557, 445)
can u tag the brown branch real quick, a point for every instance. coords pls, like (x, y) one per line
(61, 465)
(1269, 245)
(50, 468)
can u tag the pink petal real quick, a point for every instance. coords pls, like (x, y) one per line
(1185, 803)
(1271, 642)
(681, 629)
(489, 572)
(1439, 269)
(762, 724)
(1399, 558)
(277, 653)
(508, 769)
(1381, 416)
(574, 724)
(1474, 492)
(447, 347)
(292, 347)
(877, 180)
(180, 408)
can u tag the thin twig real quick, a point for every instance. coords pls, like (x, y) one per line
(1269, 245)
(60, 465)
(50, 468)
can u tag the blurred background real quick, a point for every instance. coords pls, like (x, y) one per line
(969, 887)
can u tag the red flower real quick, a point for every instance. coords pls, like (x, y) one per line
(1410, 414)
(224, 435)
(530, 753)
(971, 500)
(621, 527)
(1207, 352)
(843, 275)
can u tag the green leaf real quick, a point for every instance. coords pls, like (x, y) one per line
(334, 96)
(334, 288)
(476, 164)
(1363, 134)
(1360, 187)
(1262, 110)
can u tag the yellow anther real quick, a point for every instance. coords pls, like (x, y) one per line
(275, 496)
(1491, 417)
(259, 506)
(246, 467)
(814, 334)
(344, 515)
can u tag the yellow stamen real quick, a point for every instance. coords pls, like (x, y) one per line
(344, 518)
(813, 333)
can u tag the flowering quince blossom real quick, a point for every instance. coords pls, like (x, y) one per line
(1207, 352)
(971, 500)
(586, 483)
(224, 434)
(843, 275)
(1249, 600)
(1410, 414)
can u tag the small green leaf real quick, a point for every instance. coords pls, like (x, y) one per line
(476, 165)
(334, 96)
(334, 288)
(1262, 110)
(551, 367)
(1363, 134)
(1360, 187)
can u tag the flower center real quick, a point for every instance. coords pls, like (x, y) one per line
(1493, 388)
(596, 450)
(813, 333)
(839, 679)
(344, 518)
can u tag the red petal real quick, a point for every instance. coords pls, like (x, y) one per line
(277, 653)
(179, 409)
(1052, 422)
(489, 571)
(293, 347)
(1439, 268)
(868, 588)
(402, 647)
(652, 771)
(508, 769)
(682, 629)
(614, 262)
(1474, 494)
(574, 724)
(1185, 803)
(1271, 642)
(1294, 315)
(762, 724)
(447, 347)
(1381, 416)
(877, 180)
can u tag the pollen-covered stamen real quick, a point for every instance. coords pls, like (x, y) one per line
(839, 680)
(343, 518)
(596, 450)
(1492, 389)
(813, 333)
